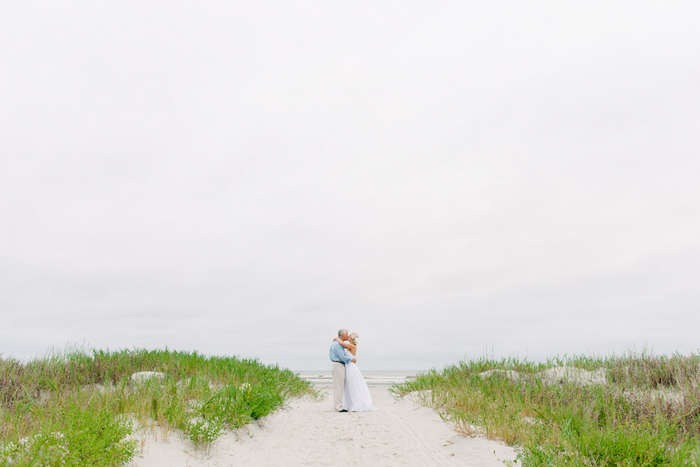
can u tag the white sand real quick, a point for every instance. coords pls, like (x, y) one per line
(308, 432)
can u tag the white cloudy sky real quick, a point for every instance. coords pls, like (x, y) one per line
(445, 178)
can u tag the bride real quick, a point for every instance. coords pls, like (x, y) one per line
(356, 397)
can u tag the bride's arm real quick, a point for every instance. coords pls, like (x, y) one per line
(347, 345)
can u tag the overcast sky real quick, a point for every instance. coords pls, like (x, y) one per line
(445, 178)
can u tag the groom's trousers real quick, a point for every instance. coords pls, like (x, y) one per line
(338, 372)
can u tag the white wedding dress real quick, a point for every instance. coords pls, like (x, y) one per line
(356, 397)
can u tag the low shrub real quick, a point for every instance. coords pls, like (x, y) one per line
(636, 410)
(75, 409)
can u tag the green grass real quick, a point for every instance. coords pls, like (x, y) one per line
(79, 407)
(633, 410)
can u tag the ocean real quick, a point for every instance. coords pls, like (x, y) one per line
(373, 377)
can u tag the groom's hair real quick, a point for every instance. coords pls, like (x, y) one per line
(342, 331)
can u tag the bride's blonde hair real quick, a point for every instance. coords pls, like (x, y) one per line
(354, 336)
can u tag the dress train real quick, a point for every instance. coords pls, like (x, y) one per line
(356, 396)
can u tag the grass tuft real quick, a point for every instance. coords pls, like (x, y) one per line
(77, 408)
(633, 410)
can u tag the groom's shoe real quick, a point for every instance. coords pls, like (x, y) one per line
(341, 411)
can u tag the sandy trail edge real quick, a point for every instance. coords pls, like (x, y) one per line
(307, 432)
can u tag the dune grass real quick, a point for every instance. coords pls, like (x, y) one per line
(632, 410)
(79, 407)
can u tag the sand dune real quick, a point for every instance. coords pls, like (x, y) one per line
(308, 433)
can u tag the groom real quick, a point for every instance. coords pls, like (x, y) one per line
(339, 359)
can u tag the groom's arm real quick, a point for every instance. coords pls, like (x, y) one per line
(347, 359)
(342, 356)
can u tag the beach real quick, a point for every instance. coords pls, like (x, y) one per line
(306, 431)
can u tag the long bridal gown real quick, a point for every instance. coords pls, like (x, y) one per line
(356, 397)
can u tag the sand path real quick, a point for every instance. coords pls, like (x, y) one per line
(308, 433)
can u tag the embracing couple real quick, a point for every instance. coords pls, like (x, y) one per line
(350, 391)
